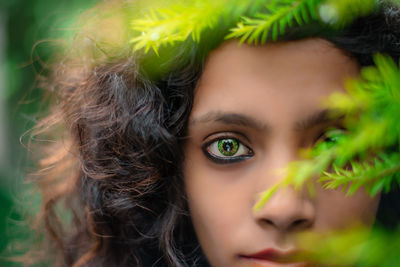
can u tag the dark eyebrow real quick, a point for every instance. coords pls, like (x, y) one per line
(320, 117)
(230, 118)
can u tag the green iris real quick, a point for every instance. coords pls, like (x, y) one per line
(228, 147)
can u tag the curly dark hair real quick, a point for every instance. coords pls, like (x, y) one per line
(117, 169)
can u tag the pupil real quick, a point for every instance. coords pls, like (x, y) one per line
(228, 146)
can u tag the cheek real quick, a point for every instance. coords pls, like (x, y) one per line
(218, 208)
(336, 210)
(213, 217)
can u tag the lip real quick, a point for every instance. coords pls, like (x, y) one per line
(279, 257)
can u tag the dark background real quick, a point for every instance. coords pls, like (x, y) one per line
(29, 30)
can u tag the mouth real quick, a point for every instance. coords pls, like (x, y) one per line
(272, 257)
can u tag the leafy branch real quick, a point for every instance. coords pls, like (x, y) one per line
(367, 153)
(279, 16)
(282, 14)
(179, 22)
(374, 177)
(256, 20)
(168, 25)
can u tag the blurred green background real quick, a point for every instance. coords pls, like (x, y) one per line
(28, 30)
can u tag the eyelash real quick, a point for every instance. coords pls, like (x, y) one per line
(331, 136)
(213, 147)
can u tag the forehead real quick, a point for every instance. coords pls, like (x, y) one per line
(304, 52)
(286, 77)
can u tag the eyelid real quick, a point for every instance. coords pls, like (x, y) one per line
(226, 159)
(227, 134)
(331, 132)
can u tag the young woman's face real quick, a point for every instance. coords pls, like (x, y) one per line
(254, 108)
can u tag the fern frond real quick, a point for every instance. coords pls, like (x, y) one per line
(371, 112)
(279, 16)
(372, 124)
(177, 23)
(374, 176)
(372, 106)
(165, 26)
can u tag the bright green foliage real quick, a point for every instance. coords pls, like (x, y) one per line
(178, 22)
(326, 247)
(256, 21)
(367, 153)
(371, 147)
(279, 16)
(283, 14)
(375, 176)
(354, 245)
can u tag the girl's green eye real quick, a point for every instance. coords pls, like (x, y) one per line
(331, 137)
(228, 147)
(226, 150)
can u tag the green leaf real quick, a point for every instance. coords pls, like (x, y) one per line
(280, 15)
(377, 187)
(265, 196)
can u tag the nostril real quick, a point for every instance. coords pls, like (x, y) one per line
(295, 225)
(300, 224)
(269, 222)
(288, 210)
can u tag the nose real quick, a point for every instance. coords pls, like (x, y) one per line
(288, 210)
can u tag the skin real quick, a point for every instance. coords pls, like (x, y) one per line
(268, 98)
